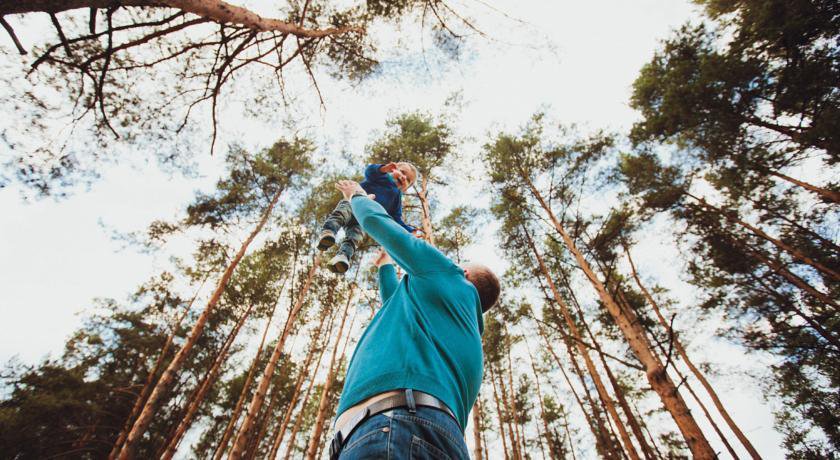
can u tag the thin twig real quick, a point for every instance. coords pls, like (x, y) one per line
(11, 33)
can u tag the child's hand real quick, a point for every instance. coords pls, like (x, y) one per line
(388, 168)
(382, 258)
(417, 233)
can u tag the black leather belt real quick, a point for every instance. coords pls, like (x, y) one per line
(407, 398)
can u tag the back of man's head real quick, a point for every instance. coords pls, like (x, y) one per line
(485, 282)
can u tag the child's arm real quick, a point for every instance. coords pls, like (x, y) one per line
(373, 172)
(414, 255)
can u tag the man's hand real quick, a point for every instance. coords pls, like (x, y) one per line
(382, 258)
(348, 188)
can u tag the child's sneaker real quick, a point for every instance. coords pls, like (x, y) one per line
(326, 239)
(339, 264)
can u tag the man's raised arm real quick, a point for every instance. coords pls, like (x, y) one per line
(414, 255)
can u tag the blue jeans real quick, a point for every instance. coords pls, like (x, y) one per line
(398, 434)
(342, 217)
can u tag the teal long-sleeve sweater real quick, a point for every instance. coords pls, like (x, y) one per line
(427, 334)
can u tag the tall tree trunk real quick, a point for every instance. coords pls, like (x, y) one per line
(239, 443)
(514, 443)
(603, 442)
(629, 448)
(209, 379)
(476, 415)
(795, 253)
(426, 219)
(694, 370)
(499, 413)
(222, 447)
(310, 354)
(824, 193)
(325, 393)
(147, 387)
(649, 435)
(145, 418)
(551, 452)
(514, 412)
(639, 343)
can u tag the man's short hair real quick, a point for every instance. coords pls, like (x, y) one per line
(488, 287)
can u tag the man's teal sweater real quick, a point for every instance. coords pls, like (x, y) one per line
(427, 334)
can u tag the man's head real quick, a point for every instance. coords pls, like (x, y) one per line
(485, 282)
(405, 174)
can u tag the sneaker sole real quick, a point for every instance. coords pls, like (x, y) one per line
(326, 242)
(339, 267)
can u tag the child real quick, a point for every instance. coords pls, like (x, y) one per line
(386, 183)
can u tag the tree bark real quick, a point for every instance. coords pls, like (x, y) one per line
(325, 393)
(479, 455)
(310, 354)
(826, 194)
(215, 10)
(209, 379)
(222, 447)
(239, 443)
(795, 253)
(147, 387)
(145, 418)
(639, 343)
(426, 219)
(694, 370)
(593, 372)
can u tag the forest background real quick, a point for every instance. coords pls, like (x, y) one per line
(467, 95)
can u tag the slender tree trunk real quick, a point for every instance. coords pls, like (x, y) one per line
(316, 339)
(694, 370)
(426, 219)
(795, 253)
(325, 393)
(593, 372)
(479, 455)
(551, 453)
(209, 379)
(514, 412)
(145, 418)
(619, 393)
(794, 279)
(649, 435)
(220, 449)
(239, 443)
(824, 193)
(639, 343)
(602, 440)
(515, 450)
(499, 413)
(147, 387)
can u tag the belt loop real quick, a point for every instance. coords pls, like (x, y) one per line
(409, 399)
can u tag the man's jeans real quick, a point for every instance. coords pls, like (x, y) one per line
(398, 434)
(342, 216)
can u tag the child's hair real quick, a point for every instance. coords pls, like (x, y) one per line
(413, 170)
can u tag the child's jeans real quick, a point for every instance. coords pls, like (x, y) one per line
(342, 216)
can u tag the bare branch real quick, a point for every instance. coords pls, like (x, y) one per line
(11, 33)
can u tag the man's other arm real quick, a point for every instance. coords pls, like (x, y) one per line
(414, 255)
(387, 281)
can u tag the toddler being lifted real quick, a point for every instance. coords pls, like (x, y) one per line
(387, 183)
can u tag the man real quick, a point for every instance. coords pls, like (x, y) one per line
(417, 368)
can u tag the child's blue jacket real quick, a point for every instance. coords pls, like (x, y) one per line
(387, 193)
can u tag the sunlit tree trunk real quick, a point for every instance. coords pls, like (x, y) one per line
(795, 253)
(239, 443)
(476, 419)
(499, 413)
(325, 393)
(222, 447)
(629, 448)
(639, 343)
(147, 387)
(310, 354)
(551, 453)
(826, 194)
(145, 418)
(426, 214)
(514, 412)
(209, 379)
(694, 370)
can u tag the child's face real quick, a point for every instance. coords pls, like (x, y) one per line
(404, 176)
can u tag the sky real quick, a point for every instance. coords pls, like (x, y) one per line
(574, 60)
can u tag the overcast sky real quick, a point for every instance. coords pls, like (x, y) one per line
(576, 60)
